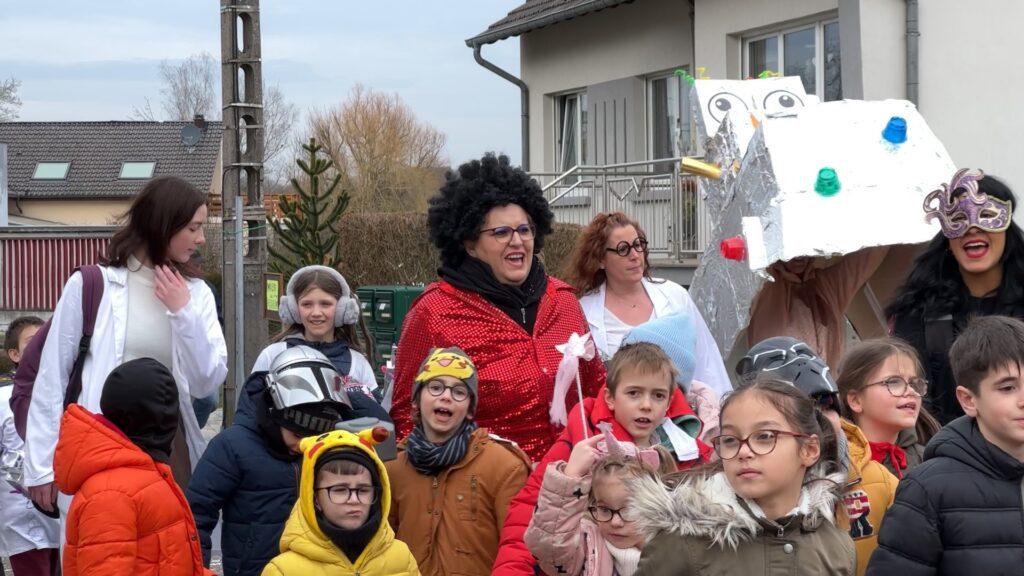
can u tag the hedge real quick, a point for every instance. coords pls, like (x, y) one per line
(394, 248)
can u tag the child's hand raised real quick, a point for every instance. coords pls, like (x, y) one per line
(583, 457)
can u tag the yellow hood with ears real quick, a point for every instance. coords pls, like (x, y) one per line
(316, 446)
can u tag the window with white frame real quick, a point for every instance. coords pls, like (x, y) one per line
(668, 98)
(810, 51)
(51, 171)
(570, 130)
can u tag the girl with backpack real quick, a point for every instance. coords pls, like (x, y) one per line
(154, 304)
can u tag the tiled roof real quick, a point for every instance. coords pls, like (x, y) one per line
(535, 14)
(96, 151)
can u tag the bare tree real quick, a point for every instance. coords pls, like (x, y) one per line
(145, 113)
(388, 160)
(9, 101)
(279, 117)
(190, 88)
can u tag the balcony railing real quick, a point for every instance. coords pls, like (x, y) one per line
(663, 200)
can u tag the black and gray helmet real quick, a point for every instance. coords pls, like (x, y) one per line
(307, 393)
(791, 360)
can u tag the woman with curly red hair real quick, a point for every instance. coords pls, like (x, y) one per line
(611, 274)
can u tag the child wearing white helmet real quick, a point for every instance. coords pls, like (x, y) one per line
(248, 474)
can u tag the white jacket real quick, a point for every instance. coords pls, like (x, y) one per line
(668, 298)
(199, 363)
(22, 527)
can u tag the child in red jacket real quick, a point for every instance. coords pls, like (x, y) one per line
(128, 517)
(641, 397)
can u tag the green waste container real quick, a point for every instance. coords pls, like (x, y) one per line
(384, 309)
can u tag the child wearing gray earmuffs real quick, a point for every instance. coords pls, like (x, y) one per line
(248, 476)
(319, 310)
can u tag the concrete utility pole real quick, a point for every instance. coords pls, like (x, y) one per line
(244, 217)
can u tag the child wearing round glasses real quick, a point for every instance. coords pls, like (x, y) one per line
(870, 488)
(882, 389)
(584, 525)
(767, 507)
(452, 481)
(340, 522)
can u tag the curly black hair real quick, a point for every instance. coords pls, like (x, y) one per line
(458, 209)
(935, 286)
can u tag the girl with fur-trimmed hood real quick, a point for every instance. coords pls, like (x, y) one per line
(767, 508)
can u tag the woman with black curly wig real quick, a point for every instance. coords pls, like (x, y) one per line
(495, 302)
(973, 267)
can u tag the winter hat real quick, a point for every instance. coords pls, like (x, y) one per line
(140, 397)
(676, 336)
(448, 362)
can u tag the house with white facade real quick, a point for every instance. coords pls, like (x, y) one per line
(605, 95)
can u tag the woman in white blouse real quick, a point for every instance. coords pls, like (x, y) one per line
(154, 305)
(610, 273)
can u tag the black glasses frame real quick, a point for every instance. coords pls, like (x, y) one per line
(462, 388)
(612, 513)
(504, 234)
(622, 248)
(334, 493)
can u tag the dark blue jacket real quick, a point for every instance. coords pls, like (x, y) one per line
(247, 475)
(961, 512)
(251, 482)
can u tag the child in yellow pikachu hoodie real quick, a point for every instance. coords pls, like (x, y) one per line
(339, 524)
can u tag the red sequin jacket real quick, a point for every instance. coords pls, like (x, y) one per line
(516, 370)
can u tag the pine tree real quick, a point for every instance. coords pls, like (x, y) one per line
(306, 235)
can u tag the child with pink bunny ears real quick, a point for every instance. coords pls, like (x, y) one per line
(583, 525)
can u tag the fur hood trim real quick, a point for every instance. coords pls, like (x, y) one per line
(708, 507)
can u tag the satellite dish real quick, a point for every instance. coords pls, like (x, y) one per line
(191, 135)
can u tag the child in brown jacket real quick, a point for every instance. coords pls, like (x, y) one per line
(452, 481)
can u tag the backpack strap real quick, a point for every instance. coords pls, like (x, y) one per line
(92, 293)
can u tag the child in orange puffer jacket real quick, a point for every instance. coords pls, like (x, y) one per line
(128, 517)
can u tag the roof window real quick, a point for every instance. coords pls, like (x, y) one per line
(137, 170)
(51, 171)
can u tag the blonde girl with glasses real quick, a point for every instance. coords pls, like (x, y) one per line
(584, 525)
(767, 507)
(882, 389)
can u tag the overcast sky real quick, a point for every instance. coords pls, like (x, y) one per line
(96, 60)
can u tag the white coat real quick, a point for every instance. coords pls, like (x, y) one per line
(668, 298)
(22, 527)
(198, 352)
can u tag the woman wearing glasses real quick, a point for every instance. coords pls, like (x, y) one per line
(611, 274)
(882, 390)
(495, 302)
